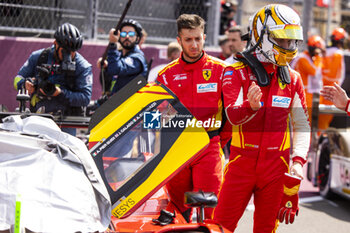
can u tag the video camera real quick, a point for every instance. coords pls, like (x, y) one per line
(67, 67)
(42, 80)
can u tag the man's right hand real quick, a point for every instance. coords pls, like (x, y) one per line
(254, 96)
(30, 86)
(113, 36)
(105, 64)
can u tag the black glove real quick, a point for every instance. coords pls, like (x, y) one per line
(91, 108)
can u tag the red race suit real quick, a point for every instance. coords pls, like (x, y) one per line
(260, 146)
(198, 87)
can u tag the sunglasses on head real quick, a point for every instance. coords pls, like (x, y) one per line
(130, 34)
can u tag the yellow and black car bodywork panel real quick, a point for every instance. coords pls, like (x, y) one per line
(178, 145)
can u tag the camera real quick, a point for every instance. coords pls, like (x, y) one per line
(67, 68)
(42, 81)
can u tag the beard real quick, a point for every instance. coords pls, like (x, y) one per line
(128, 47)
(192, 56)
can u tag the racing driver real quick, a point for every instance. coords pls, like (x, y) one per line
(195, 78)
(260, 92)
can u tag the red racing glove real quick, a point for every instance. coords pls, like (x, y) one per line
(289, 205)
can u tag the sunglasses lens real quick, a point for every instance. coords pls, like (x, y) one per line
(131, 34)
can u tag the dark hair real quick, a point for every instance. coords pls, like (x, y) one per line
(189, 21)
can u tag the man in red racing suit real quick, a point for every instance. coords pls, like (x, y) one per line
(260, 146)
(196, 81)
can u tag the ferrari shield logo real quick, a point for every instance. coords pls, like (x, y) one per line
(206, 74)
(281, 84)
(289, 204)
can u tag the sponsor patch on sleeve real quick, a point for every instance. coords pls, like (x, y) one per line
(129, 61)
(89, 79)
(230, 72)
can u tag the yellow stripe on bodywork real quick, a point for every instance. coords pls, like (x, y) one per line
(127, 110)
(184, 148)
(152, 87)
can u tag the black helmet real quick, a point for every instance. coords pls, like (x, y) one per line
(69, 37)
(133, 23)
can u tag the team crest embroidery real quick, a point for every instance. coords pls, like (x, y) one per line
(289, 204)
(206, 74)
(281, 84)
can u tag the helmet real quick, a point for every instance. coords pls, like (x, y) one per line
(338, 34)
(69, 37)
(316, 42)
(272, 23)
(133, 23)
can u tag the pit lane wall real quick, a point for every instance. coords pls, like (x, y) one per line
(15, 51)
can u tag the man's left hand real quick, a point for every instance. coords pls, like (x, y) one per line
(289, 207)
